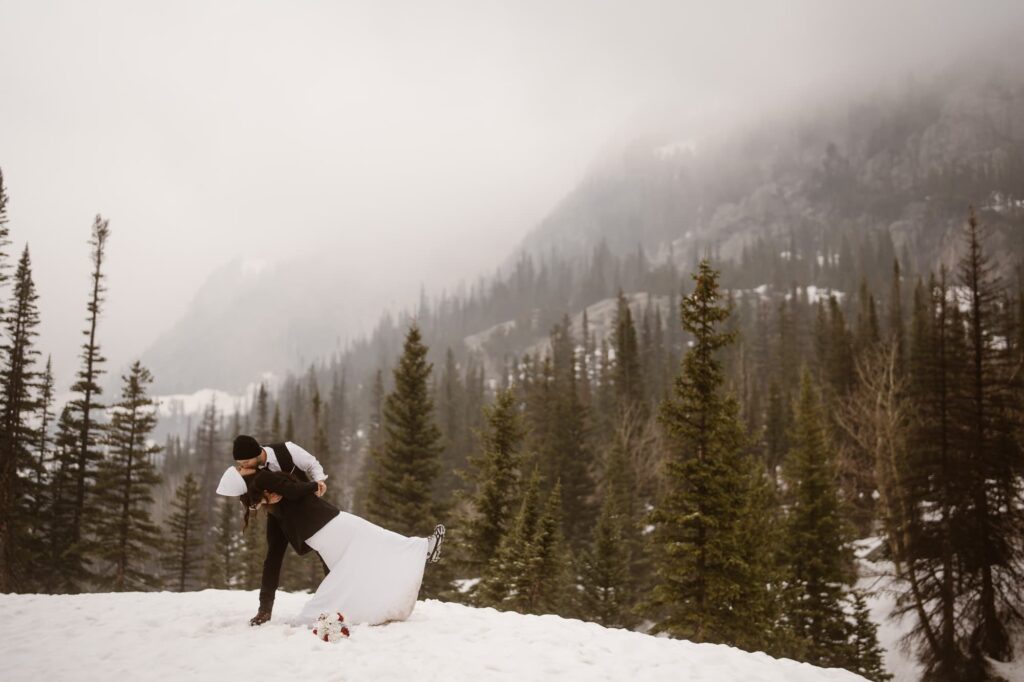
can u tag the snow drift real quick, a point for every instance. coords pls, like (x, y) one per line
(205, 636)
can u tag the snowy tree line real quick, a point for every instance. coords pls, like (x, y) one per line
(76, 480)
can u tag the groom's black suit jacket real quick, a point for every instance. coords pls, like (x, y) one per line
(300, 513)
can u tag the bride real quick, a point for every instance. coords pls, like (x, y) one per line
(375, 573)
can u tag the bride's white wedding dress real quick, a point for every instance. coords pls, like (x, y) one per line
(375, 573)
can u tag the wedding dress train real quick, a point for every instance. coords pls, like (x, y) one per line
(375, 573)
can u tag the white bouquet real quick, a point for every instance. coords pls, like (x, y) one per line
(331, 628)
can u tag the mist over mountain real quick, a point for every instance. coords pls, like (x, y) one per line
(905, 160)
(253, 316)
(909, 157)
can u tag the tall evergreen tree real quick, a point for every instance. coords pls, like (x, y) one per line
(895, 327)
(124, 533)
(251, 553)
(450, 420)
(776, 430)
(993, 410)
(225, 564)
(44, 440)
(275, 424)
(706, 584)
(182, 557)
(819, 553)
(262, 414)
(606, 595)
(209, 461)
(868, 334)
(545, 586)
(63, 557)
(4, 230)
(496, 474)
(85, 406)
(563, 452)
(628, 376)
(927, 544)
(504, 582)
(613, 567)
(401, 496)
(531, 572)
(374, 444)
(18, 433)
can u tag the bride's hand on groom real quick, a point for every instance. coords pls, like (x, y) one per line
(321, 488)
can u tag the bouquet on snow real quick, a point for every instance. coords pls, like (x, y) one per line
(331, 628)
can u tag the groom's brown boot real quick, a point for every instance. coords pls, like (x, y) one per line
(260, 618)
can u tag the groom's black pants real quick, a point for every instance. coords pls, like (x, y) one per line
(277, 545)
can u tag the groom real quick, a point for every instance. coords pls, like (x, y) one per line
(289, 458)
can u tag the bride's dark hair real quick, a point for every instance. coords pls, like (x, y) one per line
(250, 498)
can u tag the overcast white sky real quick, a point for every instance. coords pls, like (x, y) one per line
(423, 139)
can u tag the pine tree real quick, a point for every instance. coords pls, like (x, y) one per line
(927, 545)
(275, 424)
(182, 557)
(547, 579)
(562, 450)
(224, 566)
(504, 583)
(531, 572)
(17, 432)
(262, 414)
(606, 596)
(496, 473)
(776, 430)
(840, 369)
(586, 362)
(401, 496)
(4, 232)
(374, 444)
(210, 462)
(612, 567)
(84, 407)
(41, 497)
(868, 334)
(865, 655)
(992, 406)
(628, 378)
(895, 327)
(818, 550)
(63, 557)
(321, 443)
(125, 534)
(706, 584)
(252, 551)
(340, 436)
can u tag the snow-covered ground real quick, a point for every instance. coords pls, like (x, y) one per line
(205, 636)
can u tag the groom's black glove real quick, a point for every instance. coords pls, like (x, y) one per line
(260, 618)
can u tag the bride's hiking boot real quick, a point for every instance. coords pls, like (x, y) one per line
(434, 543)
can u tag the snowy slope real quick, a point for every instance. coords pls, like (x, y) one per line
(204, 636)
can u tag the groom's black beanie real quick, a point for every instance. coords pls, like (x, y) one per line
(246, 447)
